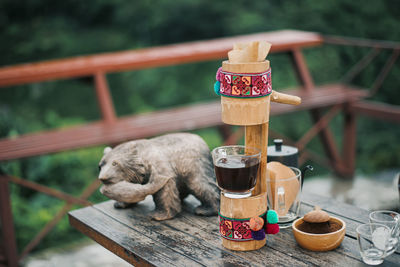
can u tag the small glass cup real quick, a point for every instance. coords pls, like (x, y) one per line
(392, 220)
(373, 241)
(284, 196)
(236, 168)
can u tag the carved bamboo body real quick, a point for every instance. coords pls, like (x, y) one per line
(253, 113)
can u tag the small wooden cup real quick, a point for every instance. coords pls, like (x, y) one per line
(319, 242)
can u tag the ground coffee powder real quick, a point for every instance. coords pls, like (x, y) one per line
(319, 228)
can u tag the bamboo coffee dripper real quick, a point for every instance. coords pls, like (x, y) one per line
(253, 113)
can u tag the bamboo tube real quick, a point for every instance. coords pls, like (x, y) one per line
(253, 113)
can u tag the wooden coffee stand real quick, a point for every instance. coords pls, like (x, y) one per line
(253, 114)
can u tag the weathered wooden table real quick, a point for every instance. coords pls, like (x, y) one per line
(190, 240)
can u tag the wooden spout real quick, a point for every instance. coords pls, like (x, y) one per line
(285, 99)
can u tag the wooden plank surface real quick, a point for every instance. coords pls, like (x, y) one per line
(122, 240)
(184, 118)
(195, 240)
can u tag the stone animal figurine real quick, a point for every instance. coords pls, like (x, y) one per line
(168, 167)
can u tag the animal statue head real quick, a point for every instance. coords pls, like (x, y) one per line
(122, 164)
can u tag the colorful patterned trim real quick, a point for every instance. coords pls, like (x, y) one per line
(243, 85)
(236, 229)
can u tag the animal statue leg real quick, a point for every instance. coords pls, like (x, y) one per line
(168, 202)
(207, 193)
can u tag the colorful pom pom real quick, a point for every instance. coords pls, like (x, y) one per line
(272, 229)
(256, 223)
(216, 87)
(272, 217)
(218, 76)
(258, 235)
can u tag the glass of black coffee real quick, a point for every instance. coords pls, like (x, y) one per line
(236, 168)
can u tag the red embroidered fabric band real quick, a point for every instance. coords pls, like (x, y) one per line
(243, 85)
(236, 229)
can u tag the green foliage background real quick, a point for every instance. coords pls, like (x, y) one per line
(37, 30)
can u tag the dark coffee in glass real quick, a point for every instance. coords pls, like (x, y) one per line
(236, 169)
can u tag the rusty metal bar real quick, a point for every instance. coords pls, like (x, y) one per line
(318, 126)
(104, 98)
(48, 191)
(384, 72)
(7, 226)
(50, 225)
(360, 65)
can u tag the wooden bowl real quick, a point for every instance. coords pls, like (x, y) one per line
(319, 242)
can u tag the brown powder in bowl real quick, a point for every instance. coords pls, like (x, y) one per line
(319, 228)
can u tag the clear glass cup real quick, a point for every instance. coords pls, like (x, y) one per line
(284, 197)
(373, 241)
(236, 168)
(392, 220)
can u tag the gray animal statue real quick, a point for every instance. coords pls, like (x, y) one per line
(169, 167)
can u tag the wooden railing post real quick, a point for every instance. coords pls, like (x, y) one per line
(349, 141)
(302, 71)
(104, 98)
(325, 134)
(7, 227)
